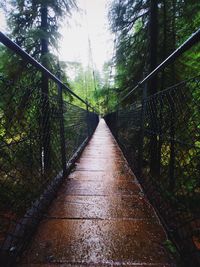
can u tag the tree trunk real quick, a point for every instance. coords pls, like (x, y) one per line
(153, 44)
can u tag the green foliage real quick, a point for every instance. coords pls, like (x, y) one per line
(170, 246)
(24, 19)
(170, 149)
(85, 82)
(130, 20)
(25, 23)
(21, 177)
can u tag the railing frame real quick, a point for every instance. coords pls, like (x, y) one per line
(112, 121)
(16, 239)
(29, 59)
(191, 41)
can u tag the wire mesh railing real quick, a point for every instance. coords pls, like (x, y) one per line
(160, 137)
(41, 135)
(161, 140)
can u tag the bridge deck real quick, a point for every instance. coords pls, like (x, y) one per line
(100, 216)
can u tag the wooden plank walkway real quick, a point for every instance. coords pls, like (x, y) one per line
(100, 216)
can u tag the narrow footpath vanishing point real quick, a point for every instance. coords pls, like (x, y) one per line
(100, 216)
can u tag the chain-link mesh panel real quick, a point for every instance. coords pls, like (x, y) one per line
(40, 134)
(161, 140)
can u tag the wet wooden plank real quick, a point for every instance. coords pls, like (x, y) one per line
(99, 241)
(100, 216)
(102, 207)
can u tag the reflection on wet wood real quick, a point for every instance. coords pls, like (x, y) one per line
(100, 216)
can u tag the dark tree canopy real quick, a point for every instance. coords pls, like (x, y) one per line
(25, 22)
(148, 31)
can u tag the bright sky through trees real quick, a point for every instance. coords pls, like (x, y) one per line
(91, 21)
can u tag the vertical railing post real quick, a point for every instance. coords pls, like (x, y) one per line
(94, 119)
(62, 128)
(88, 119)
(142, 129)
(45, 127)
(153, 138)
(172, 148)
(160, 138)
(172, 181)
(116, 123)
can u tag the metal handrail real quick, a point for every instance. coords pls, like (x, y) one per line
(192, 40)
(18, 50)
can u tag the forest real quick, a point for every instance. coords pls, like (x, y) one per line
(146, 32)
(157, 126)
